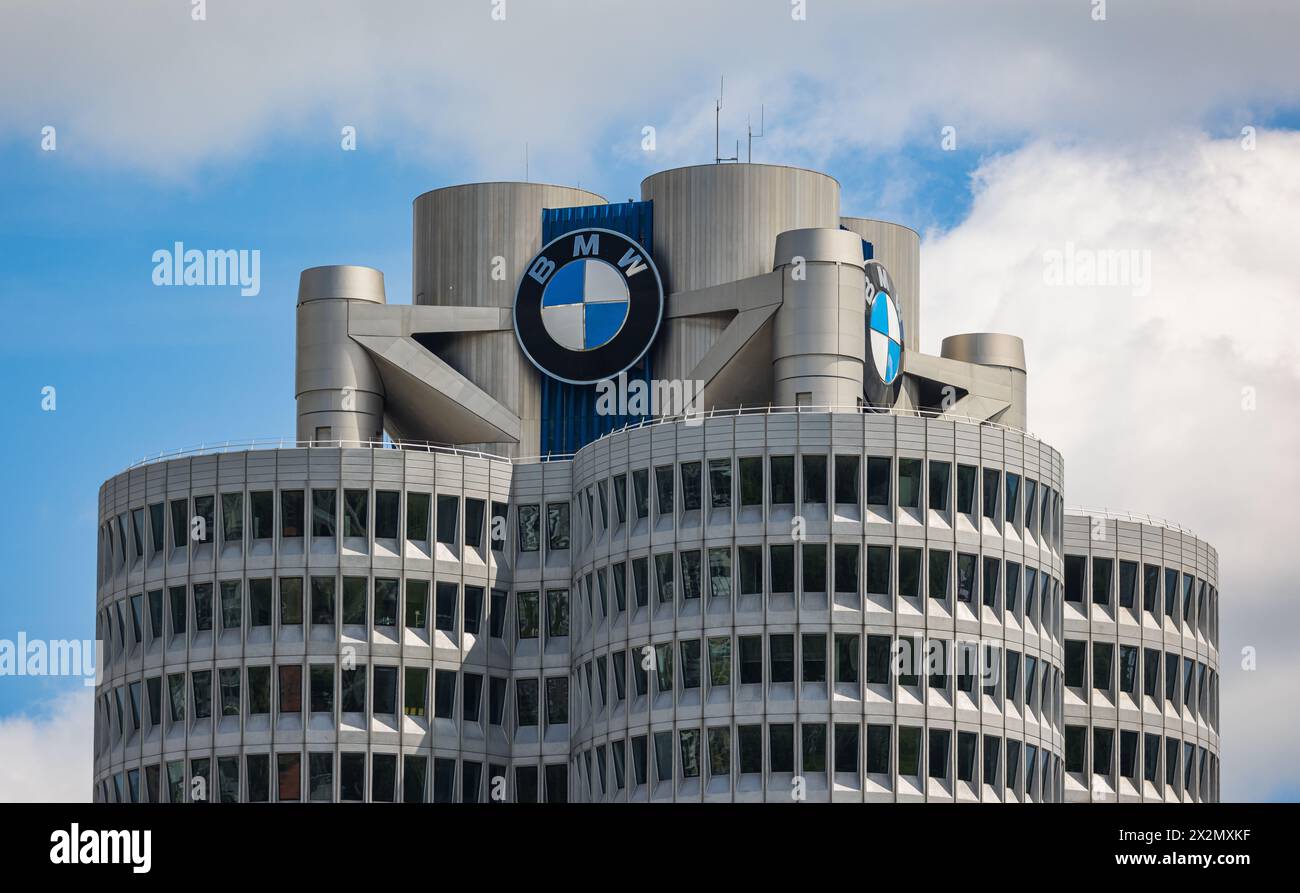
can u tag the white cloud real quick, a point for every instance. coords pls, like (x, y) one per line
(144, 86)
(1143, 395)
(45, 757)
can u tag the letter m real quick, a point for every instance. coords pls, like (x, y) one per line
(583, 247)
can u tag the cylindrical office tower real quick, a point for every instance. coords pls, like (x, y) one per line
(819, 336)
(899, 248)
(339, 391)
(716, 223)
(471, 244)
(1004, 355)
(1141, 661)
(717, 659)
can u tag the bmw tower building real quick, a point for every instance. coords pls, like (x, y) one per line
(656, 500)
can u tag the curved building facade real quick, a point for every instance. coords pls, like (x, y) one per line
(770, 552)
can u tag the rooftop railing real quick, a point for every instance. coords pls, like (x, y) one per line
(1122, 515)
(291, 443)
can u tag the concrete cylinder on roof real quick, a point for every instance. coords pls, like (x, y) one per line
(339, 392)
(819, 339)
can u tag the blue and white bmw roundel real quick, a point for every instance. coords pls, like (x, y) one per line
(588, 305)
(886, 334)
(585, 304)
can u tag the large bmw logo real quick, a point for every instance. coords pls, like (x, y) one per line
(884, 336)
(588, 306)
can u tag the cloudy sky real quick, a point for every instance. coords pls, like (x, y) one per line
(1166, 130)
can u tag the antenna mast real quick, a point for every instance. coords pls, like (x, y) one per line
(717, 118)
(762, 121)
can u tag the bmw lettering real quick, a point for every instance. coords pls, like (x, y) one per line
(588, 306)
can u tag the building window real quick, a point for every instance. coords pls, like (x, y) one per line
(813, 657)
(290, 601)
(639, 759)
(157, 528)
(966, 577)
(751, 660)
(878, 558)
(781, 744)
(641, 493)
(259, 690)
(909, 483)
(356, 513)
(529, 532)
(878, 660)
(966, 488)
(846, 747)
(1128, 661)
(352, 777)
(1102, 655)
(691, 571)
(847, 470)
(664, 490)
(323, 512)
(354, 601)
(231, 608)
(444, 694)
(526, 613)
(526, 692)
(640, 582)
(750, 744)
(909, 751)
(387, 510)
(814, 479)
(1101, 576)
(846, 568)
(750, 560)
(201, 685)
(940, 481)
(966, 743)
(909, 572)
(257, 767)
(991, 480)
(320, 768)
(322, 688)
(992, 566)
(720, 483)
(689, 666)
(447, 518)
(557, 525)
(782, 649)
(289, 777)
(878, 472)
(940, 565)
(691, 495)
(751, 481)
(1075, 656)
(814, 567)
(205, 508)
(232, 526)
(322, 601)
(415, 778)
(353, 685)
(228, 682)
(259, 602)
(202, 608)
(719, 662)
(846, 658)
(664, 577)
(781, 470)
(181, 523)
(1127, 584)
(417, 517)
(1103, 741)
(992, 751)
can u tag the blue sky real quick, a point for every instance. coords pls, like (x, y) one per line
(225, 134)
